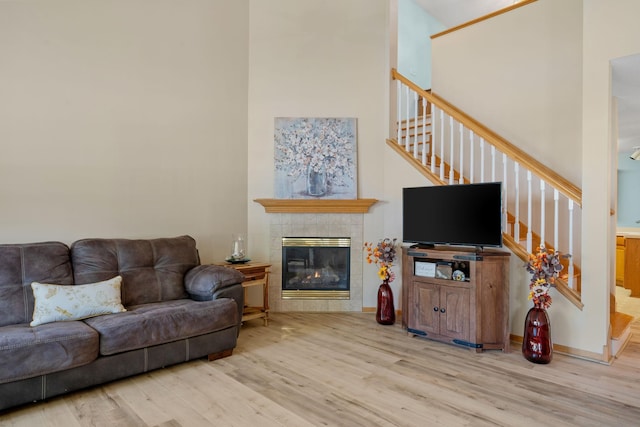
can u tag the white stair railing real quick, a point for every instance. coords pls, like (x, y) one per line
(460, 157)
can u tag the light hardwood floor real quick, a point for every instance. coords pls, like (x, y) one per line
(343, 369)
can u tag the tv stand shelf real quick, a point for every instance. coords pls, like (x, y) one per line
(472, 311)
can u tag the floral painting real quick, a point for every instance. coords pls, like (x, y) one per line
(315, 158)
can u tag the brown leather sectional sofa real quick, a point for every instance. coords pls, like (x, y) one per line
(176, 310)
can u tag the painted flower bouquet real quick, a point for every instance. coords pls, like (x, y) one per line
(383, 255)
(316, 144)
(544, 267)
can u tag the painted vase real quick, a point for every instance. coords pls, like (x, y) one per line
(316, 181)
(385, 313)
(536, 341)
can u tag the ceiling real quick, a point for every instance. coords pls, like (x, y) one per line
(625, 71)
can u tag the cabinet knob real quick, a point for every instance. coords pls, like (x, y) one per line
(435, 308)
(442, 310)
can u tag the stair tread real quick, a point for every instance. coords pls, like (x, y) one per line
(619, 324)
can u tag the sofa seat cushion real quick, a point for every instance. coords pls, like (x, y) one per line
(161, 322)
(30, 351)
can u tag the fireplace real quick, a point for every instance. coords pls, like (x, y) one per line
(316, 267)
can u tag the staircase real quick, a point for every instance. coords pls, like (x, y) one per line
(449, 147)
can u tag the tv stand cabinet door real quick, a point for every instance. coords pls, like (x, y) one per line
(425, 313)
(454, 312)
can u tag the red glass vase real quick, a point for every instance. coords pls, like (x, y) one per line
(385, 313)
(536, 341)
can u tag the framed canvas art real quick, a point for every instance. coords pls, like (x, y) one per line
(315, 158)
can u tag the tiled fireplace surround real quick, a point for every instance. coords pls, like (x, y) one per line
(315, 225)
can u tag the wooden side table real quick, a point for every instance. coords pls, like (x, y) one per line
(256, 274)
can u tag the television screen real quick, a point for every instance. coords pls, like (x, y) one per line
(464, 214)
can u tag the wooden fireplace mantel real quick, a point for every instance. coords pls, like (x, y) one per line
(316, 205)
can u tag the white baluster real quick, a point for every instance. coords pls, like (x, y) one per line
(415, 125)
(505, 202)
(481, 159)
(472, 160)
(542, 213)
(555, 219)
(516, 230)
(406, 122)
(424, 131)
(461, 130)
(433, 136)
(571, 272)
(441, 145)
(399, 112)
(493, 163)
(529, 215)
(451, 150)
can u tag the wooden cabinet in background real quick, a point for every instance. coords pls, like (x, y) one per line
(472, 312)
(632, 265)
(620, 260)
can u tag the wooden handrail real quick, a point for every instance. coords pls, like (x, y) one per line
(483, 18)
(558, 182)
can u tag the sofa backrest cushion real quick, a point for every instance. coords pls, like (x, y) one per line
(152, 270)
(22, 264)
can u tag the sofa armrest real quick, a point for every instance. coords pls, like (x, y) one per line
(205, 282)
(209, 282)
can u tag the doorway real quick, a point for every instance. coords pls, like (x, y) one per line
(625, 90)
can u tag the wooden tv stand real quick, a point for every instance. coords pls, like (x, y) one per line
(472, 312)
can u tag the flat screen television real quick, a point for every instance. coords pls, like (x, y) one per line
(463, 214)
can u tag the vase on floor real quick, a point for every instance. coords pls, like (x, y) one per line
(536, 341)
(385, 313)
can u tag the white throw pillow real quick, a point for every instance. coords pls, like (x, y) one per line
(75, 302)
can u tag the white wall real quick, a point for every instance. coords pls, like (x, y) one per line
(318, 59)
(519, 73)
(124, 118)
(415, 26)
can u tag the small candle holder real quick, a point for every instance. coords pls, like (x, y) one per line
(238, 247)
